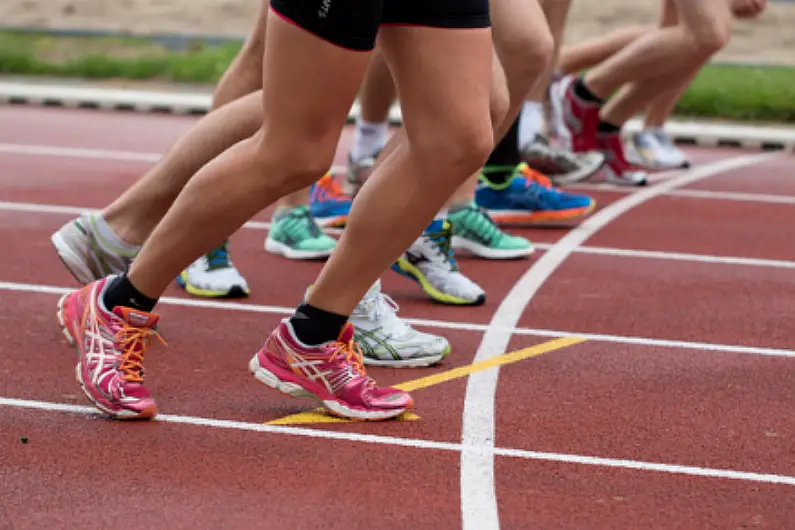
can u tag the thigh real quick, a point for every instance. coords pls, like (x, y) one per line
(310, 73)
(351, 24)
(443, 78)
(440, 54)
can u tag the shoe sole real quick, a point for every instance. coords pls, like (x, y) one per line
(522, 218)
(482, 251)
(418, 362)
(272, 380)
(235, 292)
(146, 414)
(284, 250)
(409, 271)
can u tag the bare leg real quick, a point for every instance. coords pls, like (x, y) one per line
(655, 61)
(577, 57)
(137, 211)
(133, 215)
(446, 111)
(661, 107)
(704, 29)
(308, 93)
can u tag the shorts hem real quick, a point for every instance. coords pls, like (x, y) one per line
(323, 32)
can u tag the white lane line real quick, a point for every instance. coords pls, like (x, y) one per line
(734, 196)
(441, 324)
(478, 495)
(108, 154)
(684, 256)
(416, 443)
(74, 152)
(24, 207)
(95, 154)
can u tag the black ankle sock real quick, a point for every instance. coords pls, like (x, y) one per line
(582, 92)
(607, 128)
(121, 292)
(315, 326)
(504, 158)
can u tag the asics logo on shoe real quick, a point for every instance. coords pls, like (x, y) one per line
(137, 319)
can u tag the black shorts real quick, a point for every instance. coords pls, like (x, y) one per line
(354, 24)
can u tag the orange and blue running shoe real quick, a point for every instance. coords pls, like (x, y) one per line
(332, 373)
(328, 203)
(529, 198)
(110, 350)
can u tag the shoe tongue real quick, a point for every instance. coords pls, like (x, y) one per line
(346, 335)
(136, 318)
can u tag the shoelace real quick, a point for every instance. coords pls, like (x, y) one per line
(484, 224)
(134, 342)
(353, 355)
(304, 223)
(533, 176)
(218, 258)
(383, 307)
(327, 188)
(443, 242)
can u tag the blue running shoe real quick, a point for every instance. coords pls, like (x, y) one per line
(328, 204)
(530, 198)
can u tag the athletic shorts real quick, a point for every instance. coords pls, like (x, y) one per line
(354, 24)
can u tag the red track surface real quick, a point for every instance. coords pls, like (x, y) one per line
(610, 397)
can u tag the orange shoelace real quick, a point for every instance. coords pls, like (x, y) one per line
(353, 354)
(329, 188)
(535, 176)
(134, 342)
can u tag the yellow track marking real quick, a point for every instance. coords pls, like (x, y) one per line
(321, 416)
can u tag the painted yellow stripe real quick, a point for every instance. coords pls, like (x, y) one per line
(462, 371)
(320, 416)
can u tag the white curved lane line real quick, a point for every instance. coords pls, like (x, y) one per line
(479, 510)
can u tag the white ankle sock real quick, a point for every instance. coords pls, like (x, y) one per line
(368, 138)
(531, 121)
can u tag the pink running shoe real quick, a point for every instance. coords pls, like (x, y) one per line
(110, 351)
(332, 373)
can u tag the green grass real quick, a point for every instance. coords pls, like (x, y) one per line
(111, 58)
(746, 93)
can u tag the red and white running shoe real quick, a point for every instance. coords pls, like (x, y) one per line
(332, 373)
(110, 350)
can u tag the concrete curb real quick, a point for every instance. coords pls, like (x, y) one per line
(198, 103)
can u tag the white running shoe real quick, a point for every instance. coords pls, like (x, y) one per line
(386, 340)
(87, 255)
(214, 276)
(431, 263)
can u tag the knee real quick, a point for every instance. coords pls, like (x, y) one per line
(709, 38)
(526, 59)
(291, 165)
(458, 153)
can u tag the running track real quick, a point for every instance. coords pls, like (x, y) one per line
(672, 410)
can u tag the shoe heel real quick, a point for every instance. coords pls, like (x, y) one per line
(61, 322)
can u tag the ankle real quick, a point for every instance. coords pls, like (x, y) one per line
(314, 326)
